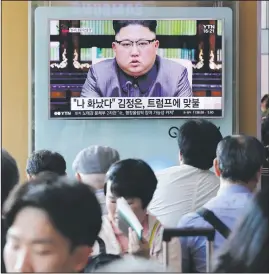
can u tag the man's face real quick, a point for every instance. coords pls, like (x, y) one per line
(137, 59)
(34, 245)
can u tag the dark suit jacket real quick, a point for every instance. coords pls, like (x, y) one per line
(172, 80)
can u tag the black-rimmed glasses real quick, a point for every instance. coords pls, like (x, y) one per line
(141, 44)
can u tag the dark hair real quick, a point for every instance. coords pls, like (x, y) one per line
(197, 141)
(119, 24)
(71, 206)
(132, 178)
(246, 250)
(265, 98)
(240, 158)
(265, 131)
(45, 160)
(9, 174)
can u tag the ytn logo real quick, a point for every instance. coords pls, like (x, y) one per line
(209, 29)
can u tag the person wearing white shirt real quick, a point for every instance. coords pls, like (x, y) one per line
(185, 188)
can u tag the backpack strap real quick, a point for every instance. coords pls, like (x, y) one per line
(102, 246)
(211, 218)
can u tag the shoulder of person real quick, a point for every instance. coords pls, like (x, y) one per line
(167, 171)
(153, 223)
(109, 238)
(210, 182)
(155, 228)
(170, 64)
(106, 64)
(106, 229)
(156, 240)
(106, 222)
(191, 219)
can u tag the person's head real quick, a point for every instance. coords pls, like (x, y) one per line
(9, 174)
(134, 180)
(265, 102)
(135, 45)
(197, 141)
(239, 160)
(246, 250)
(45, 160)
(52, 225)
(92, 163)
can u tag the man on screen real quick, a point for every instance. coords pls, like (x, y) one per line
(136, 70)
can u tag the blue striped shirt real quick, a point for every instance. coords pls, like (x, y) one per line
(227, 206)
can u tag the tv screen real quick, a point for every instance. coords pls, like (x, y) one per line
(102, 69)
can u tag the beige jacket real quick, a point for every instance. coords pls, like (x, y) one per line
(154, 237)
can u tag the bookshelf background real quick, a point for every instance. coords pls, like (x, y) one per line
(71, 54)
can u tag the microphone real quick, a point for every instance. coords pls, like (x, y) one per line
(128, 87)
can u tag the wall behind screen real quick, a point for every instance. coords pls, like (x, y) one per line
(248, 68)
(15, 80)
(143, 138)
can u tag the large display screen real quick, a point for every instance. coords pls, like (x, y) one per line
(102, 69)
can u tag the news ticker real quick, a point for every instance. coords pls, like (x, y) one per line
(95, 114)
(146, 103)
(142, 107)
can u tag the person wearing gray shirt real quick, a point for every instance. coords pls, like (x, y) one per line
(136, 70)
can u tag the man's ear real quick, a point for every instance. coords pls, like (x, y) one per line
(114, 46)
(78, 177)
(29, 176)
(216, 167)
(80, 257)
(180, 158)
(157, 44)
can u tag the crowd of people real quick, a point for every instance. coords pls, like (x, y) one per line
(56, 223)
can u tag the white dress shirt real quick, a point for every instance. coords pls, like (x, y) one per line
(180, 190)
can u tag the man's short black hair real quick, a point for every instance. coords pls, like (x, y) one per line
(9, 174)
(265, 98)
(119, 24)
(71, 206)
(132, 178)
(46, 160)
(240, 158)
(197, 141)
